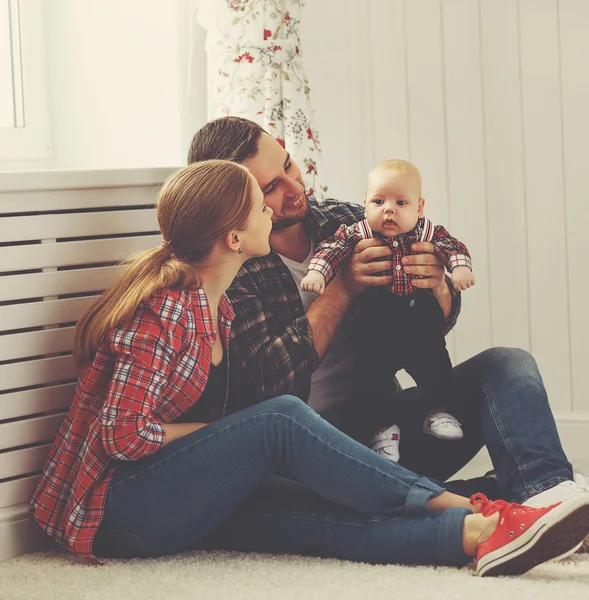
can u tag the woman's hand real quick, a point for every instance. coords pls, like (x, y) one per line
(175, 431)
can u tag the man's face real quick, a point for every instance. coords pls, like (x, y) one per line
(281, 182)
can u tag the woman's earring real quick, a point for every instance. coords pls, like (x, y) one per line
(239, 251)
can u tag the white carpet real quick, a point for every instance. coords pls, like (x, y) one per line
(216, 575)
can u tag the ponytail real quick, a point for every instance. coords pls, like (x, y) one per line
(197, 206)
(147, 273)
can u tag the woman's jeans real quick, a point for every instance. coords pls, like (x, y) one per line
(214, 488)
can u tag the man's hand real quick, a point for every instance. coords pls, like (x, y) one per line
(327, 311)
(430, 267)
(427, 265)
(358, 272)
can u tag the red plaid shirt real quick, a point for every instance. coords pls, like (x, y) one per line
(331, 253)
(144, 374)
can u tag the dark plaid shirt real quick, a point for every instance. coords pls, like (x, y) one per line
(332, 252)
(272, 344)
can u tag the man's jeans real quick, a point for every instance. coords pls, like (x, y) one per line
(501, 402)
(214, 489)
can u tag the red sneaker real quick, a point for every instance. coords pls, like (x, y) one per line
(527, 536)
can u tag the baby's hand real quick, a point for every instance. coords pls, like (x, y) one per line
(462, 278)
(314, 282)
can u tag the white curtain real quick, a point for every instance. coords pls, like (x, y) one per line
(255, 71)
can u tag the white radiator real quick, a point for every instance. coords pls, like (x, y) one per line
(61, 233)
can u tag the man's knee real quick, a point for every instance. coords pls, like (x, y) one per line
(510, 362)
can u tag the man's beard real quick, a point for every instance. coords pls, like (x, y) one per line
(285, 222)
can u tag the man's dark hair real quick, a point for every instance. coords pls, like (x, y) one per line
(227, 138)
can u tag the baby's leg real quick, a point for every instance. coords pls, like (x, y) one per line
(380, 356)
(428, 362)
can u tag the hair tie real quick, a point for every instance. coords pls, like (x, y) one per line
(167, 246)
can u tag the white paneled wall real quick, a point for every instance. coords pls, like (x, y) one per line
(490, 98)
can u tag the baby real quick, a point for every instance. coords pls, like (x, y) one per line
(399, 326)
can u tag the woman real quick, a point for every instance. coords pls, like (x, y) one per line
(147, 462)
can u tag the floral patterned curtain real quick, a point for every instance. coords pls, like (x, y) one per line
(255, 70)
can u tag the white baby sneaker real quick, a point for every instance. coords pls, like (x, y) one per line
(442, 425)
(386, 443)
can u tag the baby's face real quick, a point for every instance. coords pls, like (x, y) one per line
(393, 202)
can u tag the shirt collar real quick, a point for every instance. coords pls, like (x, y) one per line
(316, 221)
(422, 226)
(225, 308)
(226, 312)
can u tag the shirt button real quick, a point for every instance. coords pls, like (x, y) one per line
(395, 244)
(284, 276)
(398, 267)
(297, 311)
(412, 303)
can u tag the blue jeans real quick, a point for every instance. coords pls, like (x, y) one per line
(214, 488)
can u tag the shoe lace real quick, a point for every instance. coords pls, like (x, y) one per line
(490, 507)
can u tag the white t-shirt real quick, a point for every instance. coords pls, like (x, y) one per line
(332, 381)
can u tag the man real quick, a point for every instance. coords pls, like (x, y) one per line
(287, 342)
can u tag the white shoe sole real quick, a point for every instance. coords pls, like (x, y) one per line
(394, 458)
(555, 535)
(443, 436)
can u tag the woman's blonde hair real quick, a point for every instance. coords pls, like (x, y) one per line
(196, 207)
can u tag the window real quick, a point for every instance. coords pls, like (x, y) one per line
(11, 108)
(24, 131)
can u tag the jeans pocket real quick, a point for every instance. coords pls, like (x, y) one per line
(122, 545)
